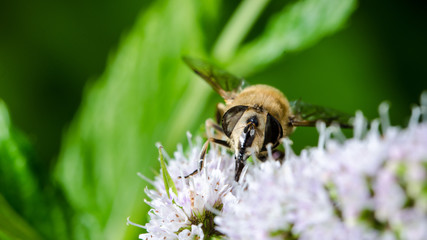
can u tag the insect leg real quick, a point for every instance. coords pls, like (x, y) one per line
(213, 130)
(203, 153)
(210, 124)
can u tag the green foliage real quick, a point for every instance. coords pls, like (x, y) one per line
(145, 96)
(13, 226)
(28, 209)
(16, 182)
(296, 27)
(167, 180)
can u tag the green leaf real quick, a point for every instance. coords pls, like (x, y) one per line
(147, 94)
(297, 26)
(13, 226)
(28, 208)
(167, 180)
(16, 182)
(237, 28)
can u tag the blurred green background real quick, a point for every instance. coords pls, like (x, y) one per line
(91, 87)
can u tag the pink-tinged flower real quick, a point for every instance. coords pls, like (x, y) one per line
(189, 213)
(371, 186)
(361, 189)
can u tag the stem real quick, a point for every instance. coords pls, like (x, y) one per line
(237, 28)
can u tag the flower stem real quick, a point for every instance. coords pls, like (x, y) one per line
(237, 28)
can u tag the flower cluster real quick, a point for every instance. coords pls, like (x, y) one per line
(372, 186)
(189, 213)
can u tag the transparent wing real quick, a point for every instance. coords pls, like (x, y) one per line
(306, 114)
(224, 83)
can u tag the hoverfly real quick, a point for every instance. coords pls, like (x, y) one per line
(255, 116)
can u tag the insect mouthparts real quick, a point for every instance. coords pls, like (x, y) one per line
(250, 128)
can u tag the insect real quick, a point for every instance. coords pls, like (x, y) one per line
(255, 116)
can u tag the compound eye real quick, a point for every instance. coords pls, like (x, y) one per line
(231, 117)
(273, 131)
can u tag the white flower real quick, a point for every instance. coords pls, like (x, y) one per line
(198, 198)
(372, 186)
(362, 189)
(196, 231)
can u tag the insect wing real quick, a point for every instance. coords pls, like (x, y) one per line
(224, 83)
(306, 114)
